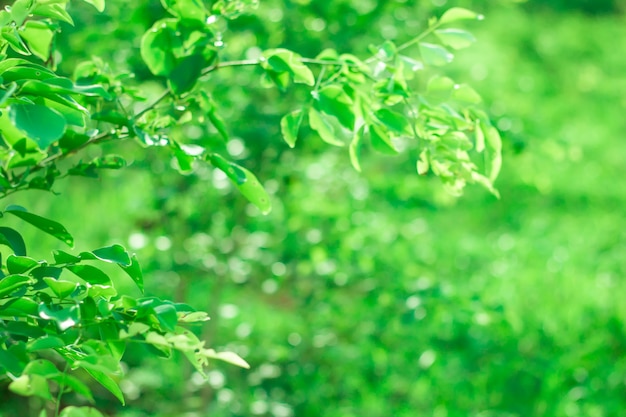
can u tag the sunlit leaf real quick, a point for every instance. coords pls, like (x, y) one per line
(434, 54)
(458, 13)
(289, 126)
(51, 227)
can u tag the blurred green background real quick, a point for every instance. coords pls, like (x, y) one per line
(376, 294)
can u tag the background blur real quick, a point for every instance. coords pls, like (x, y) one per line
(376, 294)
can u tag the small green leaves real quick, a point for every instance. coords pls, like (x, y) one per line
(458, 13)
(434, 54)
(40, 123)
(283, 61)
(51, 227)
(290, 125)
(245, 181)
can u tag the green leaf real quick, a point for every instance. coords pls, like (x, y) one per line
(51, 227)
(41, 367)
(20, 264)
(167, 316)
(381, 141)
(10, 283)
(156, 47)
(355, 147)
(393, 120)
(98, 4)
(493, 151)
(107, 382)
(39, 36)
(29, 385)
(185, 73)
(434, 54)
(466, 94)
(11, 35)
(134, 272)
(334, 101)
(40, 123)
(245, 181)
(459, 13)
(440, 87)
(49, 342)
(229, 357)
(64, 317)
(285, 61)
(20, 10)
(322, 125)
(90, 273)
(114, 254)
(73, 411)
(54, 11)
(11, 238)
(289, 126)
(186, 9)
(455, 38)
(60, 287)
(479, 137)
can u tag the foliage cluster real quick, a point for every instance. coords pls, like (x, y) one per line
(69, 318)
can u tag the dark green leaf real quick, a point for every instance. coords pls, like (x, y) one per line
(12, 239)
(393, 120)
(20, 264)
(51, 227)
(90, 273)
(166, 314)
(381, 141)
(134, 272)
(11, 283)
(186, 9)
(49, 342)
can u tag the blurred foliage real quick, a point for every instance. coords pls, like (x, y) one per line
(378, 294)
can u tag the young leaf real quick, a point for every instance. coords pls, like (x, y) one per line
(455, 38)
(28, 385)
(434, 54)
(60, 287)
(285, 61)
(466, 94)
(245, 181)
(229, 357)
(98, 4)
(51, 227)
(355, 147)
(39, 36)
(54, 11)
(90, 273)
(493, 151)
(459, 13)
(320, 123)
(289, 126)
(157, 45)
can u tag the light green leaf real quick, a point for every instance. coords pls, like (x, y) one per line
(493, 151)
(49, 342)
(114, 254)
(54, 11)
(20, 10)
(134, 272)
(479, 137)
(39, 36)
(455, 38)
(29, 385)
(60, 287)
(321, 124)
(229, 357)
(355, 147)
(72, 411)
(98, 4)
(157, 45)
(434, 54)
(245, 181)
(40, 123)
(51, 227)
(459, 13)
(466, 94)
(289, 126)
